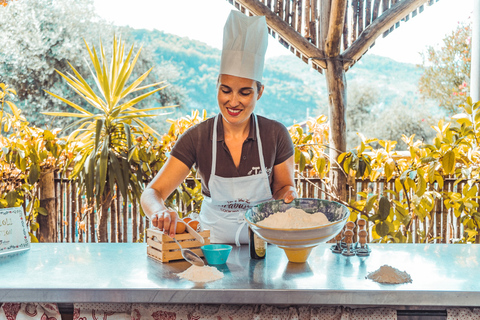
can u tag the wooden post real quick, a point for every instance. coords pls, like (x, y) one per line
(47, 231)
(337, 100)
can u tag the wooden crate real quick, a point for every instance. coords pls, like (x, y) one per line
(164, 249)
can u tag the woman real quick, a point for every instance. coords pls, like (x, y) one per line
(242, 159)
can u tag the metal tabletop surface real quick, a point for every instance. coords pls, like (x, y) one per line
(443, 275)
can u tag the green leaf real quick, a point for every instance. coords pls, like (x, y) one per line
(421, 186)
(98, 133)
(297, 155)
(84, 113)
(383, 208)
(382, 228)
(361, 168)
(118, 174)
(34, 174)
(346, 164)
(370, 202)
(410, 184)
(90, 176)
(431, 172)
(302, 162)
(42, 211)
(320, 165)
(11, 198)
(389, 168)
(448, 162)
(128, 135)
(398, 185)
(102, 167)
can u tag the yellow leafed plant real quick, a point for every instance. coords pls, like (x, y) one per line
(105, 139)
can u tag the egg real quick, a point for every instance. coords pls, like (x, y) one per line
(180, 227)
(194, 224)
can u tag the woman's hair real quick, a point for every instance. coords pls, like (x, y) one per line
(258, 83)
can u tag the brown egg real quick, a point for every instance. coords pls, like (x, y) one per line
(194, 224)
(180, 227)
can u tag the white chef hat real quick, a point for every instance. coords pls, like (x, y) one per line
(245, 41)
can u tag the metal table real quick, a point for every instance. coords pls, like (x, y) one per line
(443, 275)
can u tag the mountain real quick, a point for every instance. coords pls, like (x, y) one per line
(293, 90)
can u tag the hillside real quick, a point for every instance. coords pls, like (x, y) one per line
(292, 88)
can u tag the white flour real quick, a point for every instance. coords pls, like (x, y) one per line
(294, 218)
(387, 274)
(201, 274)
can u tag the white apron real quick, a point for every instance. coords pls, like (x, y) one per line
(223, 212)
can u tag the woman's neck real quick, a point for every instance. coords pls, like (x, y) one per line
(237, 131)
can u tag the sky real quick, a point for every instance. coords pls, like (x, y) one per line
(203, 20)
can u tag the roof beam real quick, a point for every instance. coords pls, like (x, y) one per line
(288, 33)
(378, 26)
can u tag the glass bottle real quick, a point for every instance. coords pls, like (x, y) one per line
(258, 246)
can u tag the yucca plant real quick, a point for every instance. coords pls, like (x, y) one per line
(105, 140)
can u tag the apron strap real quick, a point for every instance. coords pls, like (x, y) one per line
(260, 154)
(214, 147)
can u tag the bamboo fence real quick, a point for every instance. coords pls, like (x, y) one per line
(75, 222)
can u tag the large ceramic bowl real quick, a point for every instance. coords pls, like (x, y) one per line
(297, 243)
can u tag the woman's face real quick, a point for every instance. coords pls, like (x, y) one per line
(237, 98)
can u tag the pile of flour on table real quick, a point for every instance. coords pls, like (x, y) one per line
(201, 274)
(387, 274)
(294, 218)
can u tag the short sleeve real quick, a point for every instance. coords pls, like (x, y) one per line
(285, 147)
(185, 147)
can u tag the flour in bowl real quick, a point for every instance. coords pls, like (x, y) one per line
(294, 218)
(201, 274)
(387, 274)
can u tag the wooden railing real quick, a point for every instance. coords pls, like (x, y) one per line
(75, 223)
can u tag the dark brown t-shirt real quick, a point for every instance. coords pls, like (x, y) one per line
(194, 147)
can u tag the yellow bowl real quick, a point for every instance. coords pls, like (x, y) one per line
(298, 242)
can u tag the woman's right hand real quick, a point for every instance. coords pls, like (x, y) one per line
(166, 221)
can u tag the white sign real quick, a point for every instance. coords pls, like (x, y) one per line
(13, 230)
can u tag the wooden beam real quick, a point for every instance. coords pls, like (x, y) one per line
(337, 100)
(378, 26)
(335, 28)
(289, 34)
(325, 6)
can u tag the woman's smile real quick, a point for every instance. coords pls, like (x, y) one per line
(233, 112)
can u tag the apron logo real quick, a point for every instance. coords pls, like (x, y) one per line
(258, 170)
(236, 205)
(255, 170)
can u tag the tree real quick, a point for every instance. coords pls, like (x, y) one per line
(446, 69)
(361, 99)
(39, 37)
(407, 118)
(105, 138)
